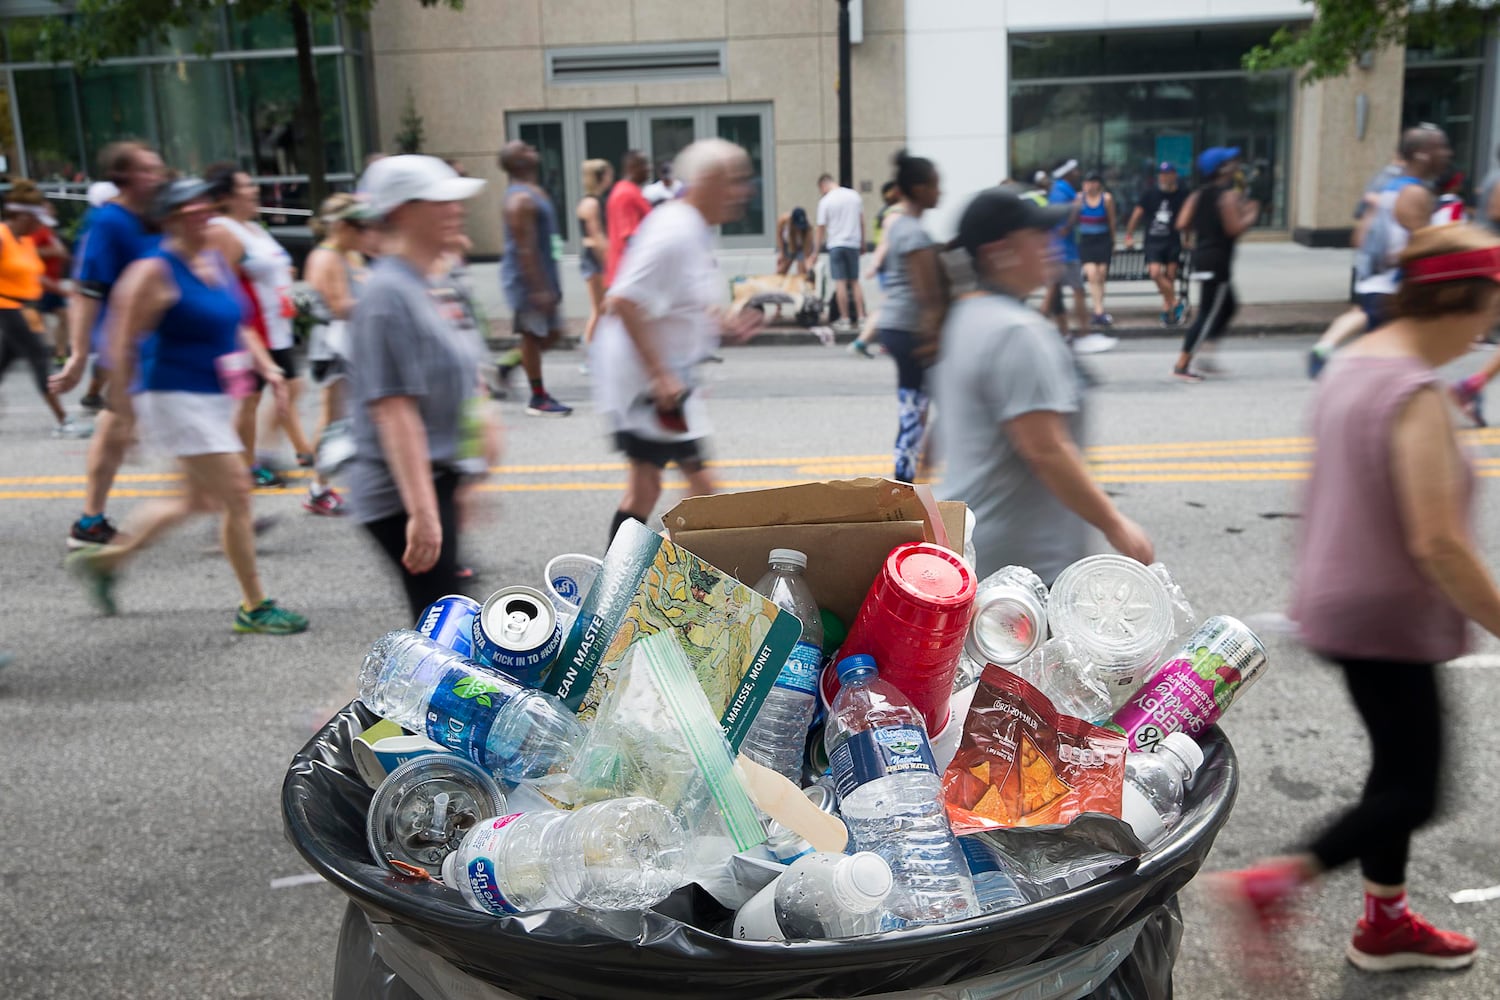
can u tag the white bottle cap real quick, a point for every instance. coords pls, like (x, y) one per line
(798, 559)
(862, 882)
(1185, 748)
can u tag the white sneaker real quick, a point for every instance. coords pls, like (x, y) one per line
(1095, 343)
(75, 429)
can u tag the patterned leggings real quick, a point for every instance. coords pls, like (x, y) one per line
(911, 401)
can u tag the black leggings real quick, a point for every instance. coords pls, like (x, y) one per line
(440, 581)
(901, 345)
(18, 342)
(1216, 307)
(1400, 706)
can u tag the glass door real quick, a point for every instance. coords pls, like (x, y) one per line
(606, 139)
(547, 137)
(669, 135)
(744, 130)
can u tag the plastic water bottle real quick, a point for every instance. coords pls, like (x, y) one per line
(620, 854)
(891, 796)
(778, 737)
(513, 732)
(1156, 784)
(1060, 670)
(993, 883)
(820, 897)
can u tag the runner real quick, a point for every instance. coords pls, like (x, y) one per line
(22, 273)
(54, 303)
(793, 242)
(624, 209)
(664, 315)
(1067, 269)
(265, 269)
(1387, 578)
(1163, 244)
(414, 379)
(181, 311)
(1012, 403)
(598, 176)
(911, 313)
(1096, 241)
(528, 274)
(890, 195)
(116, 237)
(841, 231)
(1404, 205)
(1218, 214)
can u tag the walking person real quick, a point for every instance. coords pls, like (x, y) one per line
(593, 226)
(414, 379)
(528, 274)
(665, 315)
(841, 231)
(117, 237)
(911, 313)
(1162, 246)
(1387, 577)
(180, 311)
(1013, 406)
(1096, 241)
(22, 276)
(891, 208)
(624, 209)
(1218, 214)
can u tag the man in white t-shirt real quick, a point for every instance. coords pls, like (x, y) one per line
(665, 187)
(664, 316)
(841, 229)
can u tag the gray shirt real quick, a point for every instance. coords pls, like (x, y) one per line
(900, 310)
(1486, 192)
(409, 337)
(1001, 360)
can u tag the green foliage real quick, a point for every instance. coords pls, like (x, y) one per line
(1342, 31)
(413, 131)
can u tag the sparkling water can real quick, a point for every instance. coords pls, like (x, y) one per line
(517, 633)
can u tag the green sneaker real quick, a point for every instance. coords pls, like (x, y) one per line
(100, 582)
(268, 619)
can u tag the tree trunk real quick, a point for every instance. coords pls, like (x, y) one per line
(309, 109)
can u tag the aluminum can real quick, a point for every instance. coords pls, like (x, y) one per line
(1009, 624)
(517, 633)
(449, 622)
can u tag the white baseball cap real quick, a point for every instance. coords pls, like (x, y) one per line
(102, 191)
(392, 181)
(40, 212)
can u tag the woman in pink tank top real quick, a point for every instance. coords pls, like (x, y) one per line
(1386, 583)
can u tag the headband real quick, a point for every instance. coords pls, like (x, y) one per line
(1065, 169)
(1454, 267)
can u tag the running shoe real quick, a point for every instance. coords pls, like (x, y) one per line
(1187, 375)
(1469, 399)
(328, 503)
(1178, 312)
(1316, 362)
(269, 619)
(76, 430)
(1166, 318)
(464, 573)
(93, 402)
(503, 372)
(544, 405)
(1103, 319)
(101, 532)
(1410, 943)
(1095, 343)
(306, 459)
(1261, 905)
(265, 478)
(862, 349)
(99, 581)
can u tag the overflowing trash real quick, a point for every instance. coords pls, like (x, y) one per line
(952, 749)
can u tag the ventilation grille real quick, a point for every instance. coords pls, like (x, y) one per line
(636, 63)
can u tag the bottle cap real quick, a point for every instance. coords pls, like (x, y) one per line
(1186, 749)
(792, 556)
(862, 881)
(859, 663)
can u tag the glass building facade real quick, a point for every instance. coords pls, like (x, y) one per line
(1448, 86)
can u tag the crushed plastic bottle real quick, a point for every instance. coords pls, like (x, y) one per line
(1061, 671)
(821, 896)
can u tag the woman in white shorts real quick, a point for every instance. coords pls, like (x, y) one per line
(180, 313)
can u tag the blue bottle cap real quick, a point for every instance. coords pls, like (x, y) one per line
(858, 663)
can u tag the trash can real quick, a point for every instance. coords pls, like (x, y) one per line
(1113, 939)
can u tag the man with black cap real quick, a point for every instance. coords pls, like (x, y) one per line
(793, 242)
(1012, 403)
(1159, 208)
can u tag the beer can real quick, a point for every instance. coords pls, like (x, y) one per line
(449, 622)
(1009, 624)
(517, 633)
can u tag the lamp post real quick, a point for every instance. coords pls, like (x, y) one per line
(846, 128)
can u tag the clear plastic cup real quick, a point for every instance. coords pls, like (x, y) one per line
(1117, 612)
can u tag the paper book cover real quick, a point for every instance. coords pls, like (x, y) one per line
(735, 639)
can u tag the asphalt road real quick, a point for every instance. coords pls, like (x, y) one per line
(140, 831)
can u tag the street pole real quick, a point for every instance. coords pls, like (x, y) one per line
(846, 115)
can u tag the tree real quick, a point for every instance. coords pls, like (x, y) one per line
(413, 131)
(101, 29)
(1343, 31)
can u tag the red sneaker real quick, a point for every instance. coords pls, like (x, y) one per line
(1260, 904)
(328, 504)
(1411, 943)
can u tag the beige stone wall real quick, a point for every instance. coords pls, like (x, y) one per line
(466, 69)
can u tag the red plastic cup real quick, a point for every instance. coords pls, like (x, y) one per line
(913, 621)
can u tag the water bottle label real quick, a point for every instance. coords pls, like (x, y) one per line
(484, 877)
(461, 710)
(801, 671)
(875, 753)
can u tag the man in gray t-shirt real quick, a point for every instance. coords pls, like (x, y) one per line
(1012, 405)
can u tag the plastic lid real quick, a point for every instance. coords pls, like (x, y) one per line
(931, 574)
(849, 665)
(862, 881)
(1185, 748)
(422, 810)
(798, 559)
(1114, 609)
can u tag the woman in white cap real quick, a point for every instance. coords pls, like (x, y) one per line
(420, 420)
(21, 272)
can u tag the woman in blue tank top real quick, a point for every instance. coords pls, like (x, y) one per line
(182, 313)
(1096, 241)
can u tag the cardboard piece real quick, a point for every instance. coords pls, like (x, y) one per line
(846, 528)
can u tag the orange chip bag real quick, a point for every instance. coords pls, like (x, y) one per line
(1007, 771)
(1092, 762)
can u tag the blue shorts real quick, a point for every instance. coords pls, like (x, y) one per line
(1377, 308)
(51, 302)
(843, 263)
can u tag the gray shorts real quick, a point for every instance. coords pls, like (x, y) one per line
(843, 263)
(1067, 274)
(538, 324)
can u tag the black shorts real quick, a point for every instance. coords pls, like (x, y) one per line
(327, 369)
(689, 455)
(286, 360)
(1162, 251)
(1095, 248)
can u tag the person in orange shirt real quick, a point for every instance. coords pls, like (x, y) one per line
(21, 272)
(54, 305)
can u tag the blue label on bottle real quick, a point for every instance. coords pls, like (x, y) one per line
(875, 753)
(486, 885)
(800, 673)
(462, 709)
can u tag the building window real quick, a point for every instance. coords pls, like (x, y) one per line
(1446, 86)
(566, 139)
(1122, 103)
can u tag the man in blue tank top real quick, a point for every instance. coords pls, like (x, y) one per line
(528, 274)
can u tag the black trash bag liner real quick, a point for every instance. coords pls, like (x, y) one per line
(560, 955)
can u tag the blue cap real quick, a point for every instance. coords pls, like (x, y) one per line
(1167, 167)
(1210, 160)
(858, 663)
